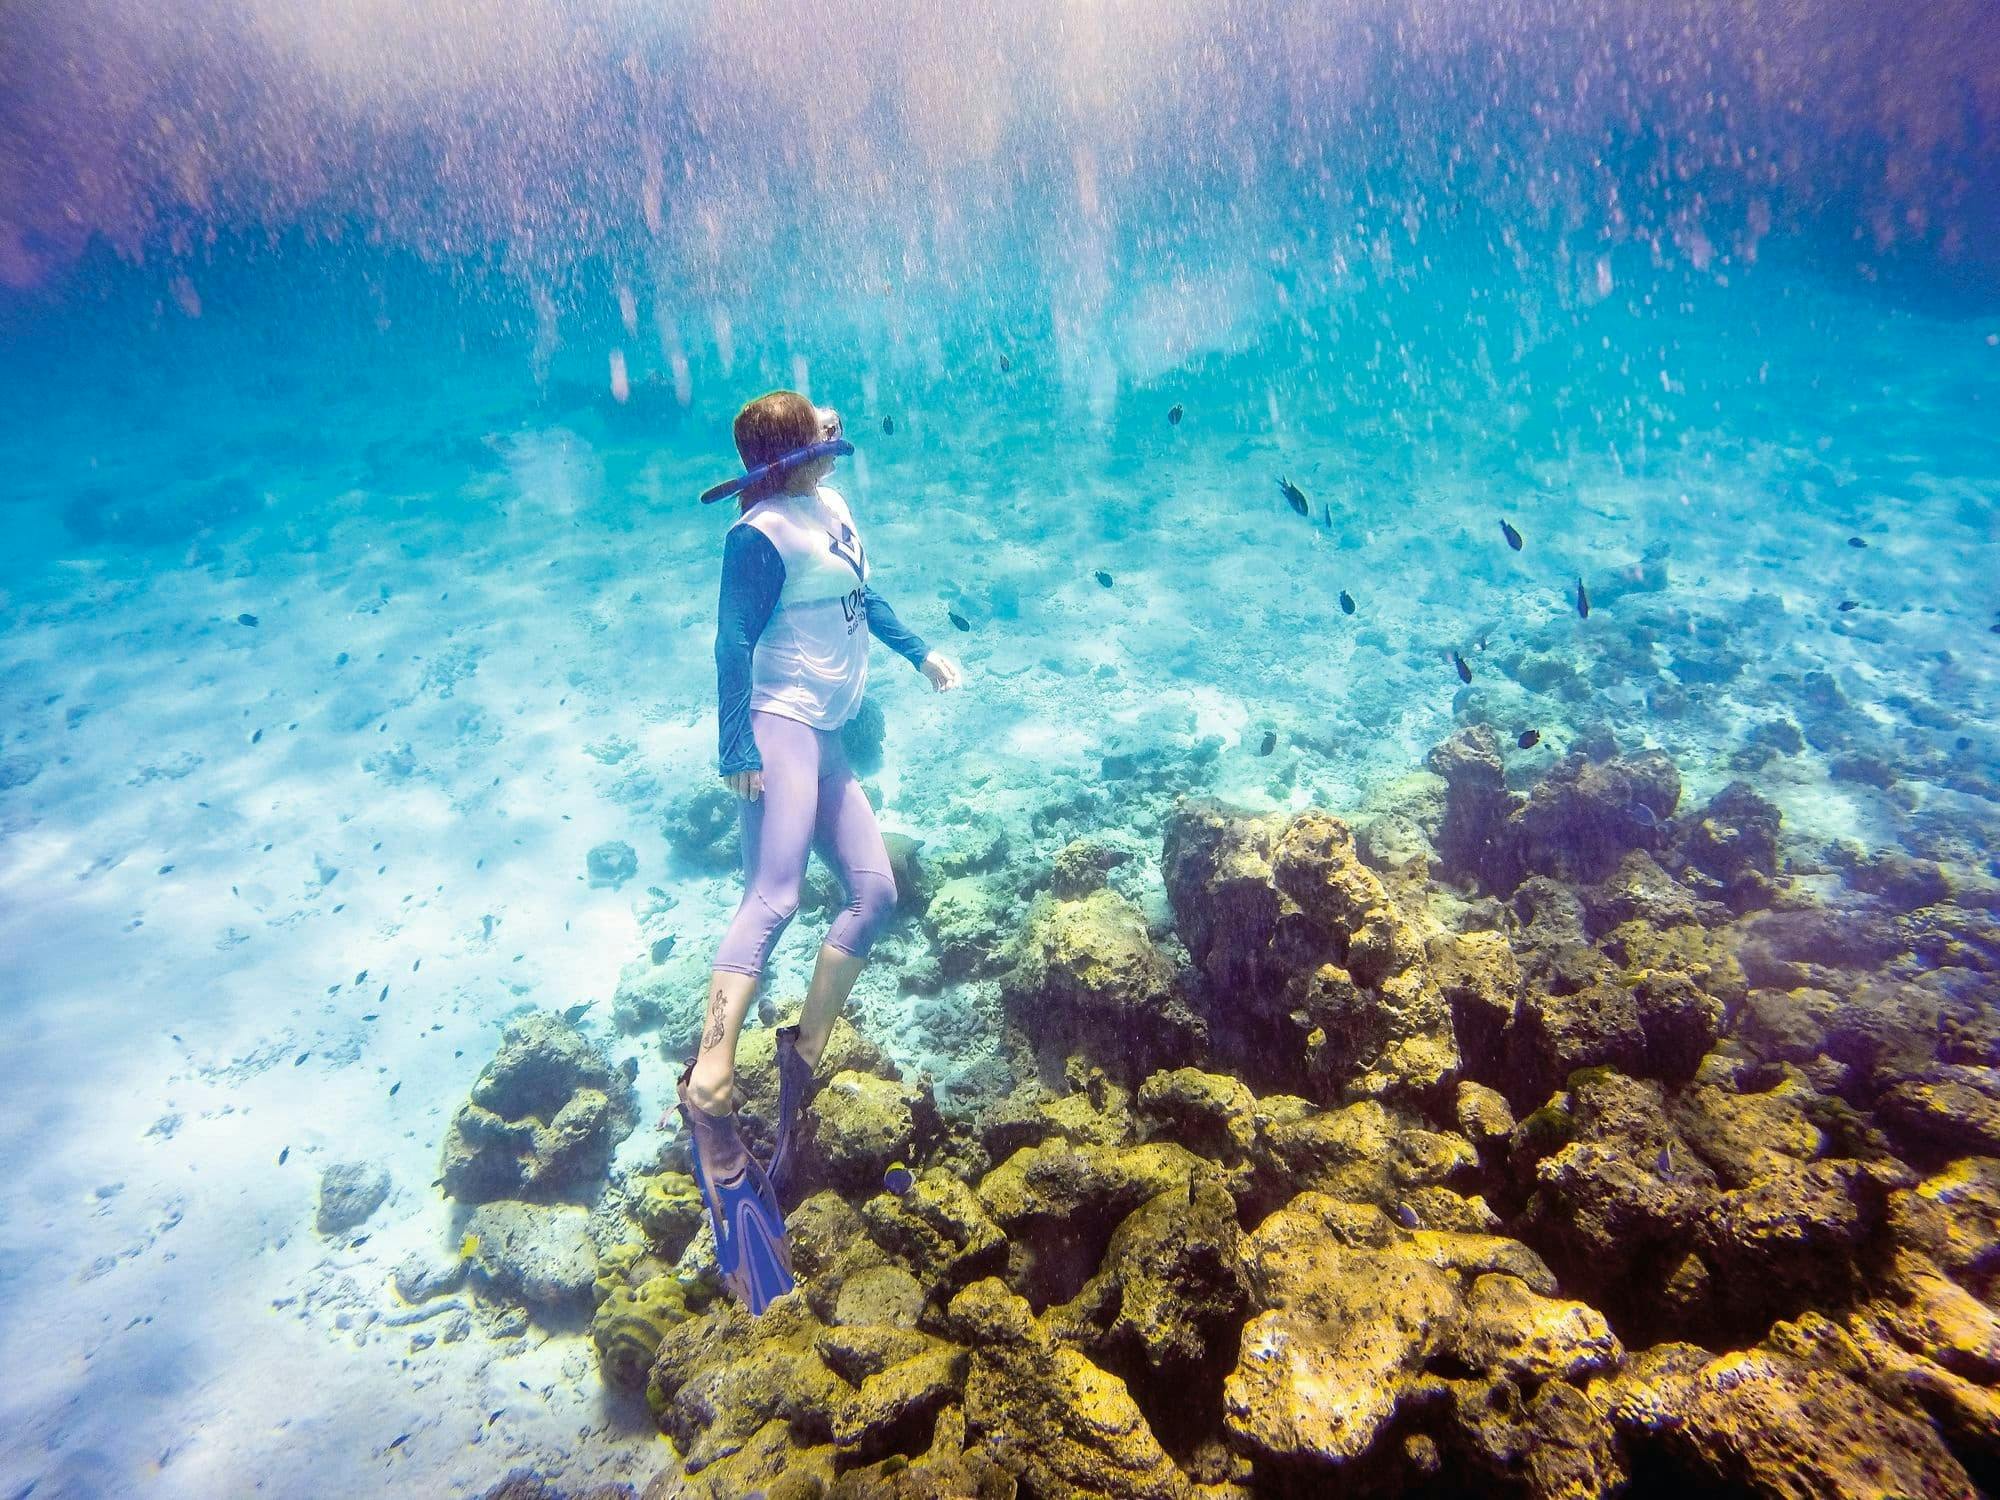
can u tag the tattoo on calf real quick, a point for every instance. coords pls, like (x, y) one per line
(711, 1031)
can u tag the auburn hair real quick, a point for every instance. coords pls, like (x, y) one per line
(776, 423)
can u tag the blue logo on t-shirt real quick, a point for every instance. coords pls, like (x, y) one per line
(846, 547)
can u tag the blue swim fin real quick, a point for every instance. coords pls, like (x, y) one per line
(752, 1252)
(794, 1084)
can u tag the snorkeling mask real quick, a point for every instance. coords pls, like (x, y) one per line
(830, 445)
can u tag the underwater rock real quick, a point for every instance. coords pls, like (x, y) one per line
(630, 1323)
(536, 1253)
(611, 864)
(947, 1470)
(1759, 1422)
(701, 829)
(1480, 980)
(1071, 1429)
(1947, 1111)
(1169, 1290)
(939, 1229)
(666, 997)
(1483, 1115)
(544, 1117)
(1555, 1442)
(1476, 800)
(349, 1191)
(667, 1206)
(965, 922)
(1080, 867)
(1398, 825)
(858, 1125)
(1733, 843)
(1211, 1114)
(1087, 978)
(1311, 967)
(1345, 1328)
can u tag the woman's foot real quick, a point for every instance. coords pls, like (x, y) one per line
(711, 1089)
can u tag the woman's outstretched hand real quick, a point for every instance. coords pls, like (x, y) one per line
(942, 672)
(749, 785)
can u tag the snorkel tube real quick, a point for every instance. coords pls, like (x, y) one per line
(828, 448)
(831, 445)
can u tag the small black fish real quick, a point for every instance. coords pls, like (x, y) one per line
(1294, 497)
(1407, 1216)
(1846, 604)
(1006, 364)
(284, 1155)
(1103, 578)
(1993, 629)
(1529, 739)
(372, 1016)
(1513, 536)
(663, 948)
(1464, 672)
(1174, 415)
(257, 736)
(958, 619)
(394, 1087)
(1582, 600)
(300, 1060)
(1346, 602)
(888, 427)
(400, 1441)
(1270, 742)
(1855, 541)
(246, 620)
(575, 1013)
(357, 1242)
(1664, 1162)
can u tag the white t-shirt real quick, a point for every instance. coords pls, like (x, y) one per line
(811, 662)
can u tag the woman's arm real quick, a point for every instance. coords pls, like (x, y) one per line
(752, 576)
(892, 632)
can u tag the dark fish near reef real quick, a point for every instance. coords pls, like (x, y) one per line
(898, 1179)
(300, 1060)
(1855, 541)
(1006, 364)
(1407, 1217)
(575, 1013)
(1582, 600)
(1294, 496)
(395, 1087)
(888, 427)
(958, 619)
(1529, 739)
(284, 1155)
(1174, 414)
(1346, 602)
(1270, 742)
(246, 619)
(1464, 672)
(1846, 604)
(1664, 1162)
(1103, 578)
(357, 1242)
(663, 948)
(1513, 536)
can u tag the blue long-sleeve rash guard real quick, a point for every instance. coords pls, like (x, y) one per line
(753, 575)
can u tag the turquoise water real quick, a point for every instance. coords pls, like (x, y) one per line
(361, 372)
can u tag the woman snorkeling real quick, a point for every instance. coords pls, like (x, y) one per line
(791, 664)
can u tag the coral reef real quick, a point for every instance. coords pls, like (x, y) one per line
(544, 1117)
(349, 1191)
(1540, 1139)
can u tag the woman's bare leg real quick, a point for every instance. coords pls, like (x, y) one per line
(833, 981)
(713, 1083)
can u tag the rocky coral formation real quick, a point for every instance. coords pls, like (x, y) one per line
(544, 1117)
(1545, 1140)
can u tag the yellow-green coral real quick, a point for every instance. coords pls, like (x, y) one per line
(631, 1322)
